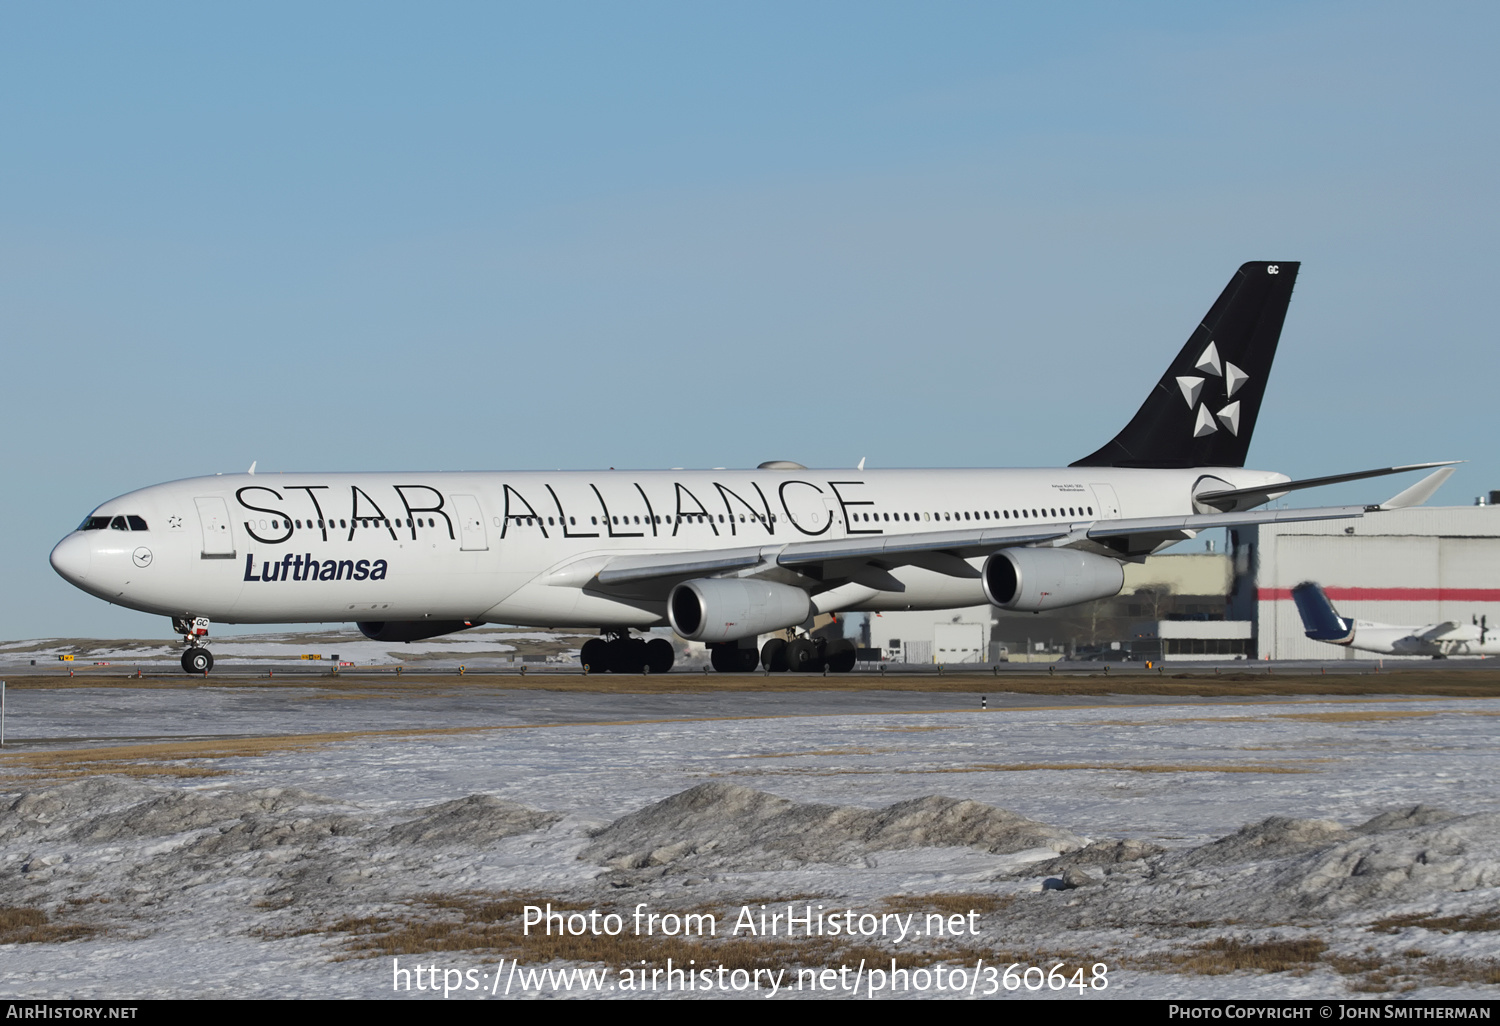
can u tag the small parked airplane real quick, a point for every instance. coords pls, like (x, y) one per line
(1439, 640)
(722, 556)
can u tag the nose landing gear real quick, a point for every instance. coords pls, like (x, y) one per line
(197, 659)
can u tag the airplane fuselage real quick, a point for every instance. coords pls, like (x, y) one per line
(522, 547)
(1437, 640)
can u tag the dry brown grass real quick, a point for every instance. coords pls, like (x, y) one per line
(1376, 974)
(1416, 681)
(948, 903)
(1354, 717)
(1228, 955)
(492, 923)
(1025, 767)
(1126, 767)
(181, 758)
(1371, 972)
(1477, 922)
(34, 926)
(826, 751)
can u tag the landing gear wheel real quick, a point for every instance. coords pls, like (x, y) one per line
(197, 661)
(659, 655)
(630, 655)
(841, 655)
(773, 655)
(801, 656)
(724, 658)
(728, 657)
(595, 655)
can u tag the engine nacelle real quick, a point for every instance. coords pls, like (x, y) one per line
(411, 630)
(1031, 580)
(727, 609)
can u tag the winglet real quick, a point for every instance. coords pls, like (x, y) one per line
(1419, 492)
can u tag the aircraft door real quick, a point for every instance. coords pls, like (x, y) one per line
(832, 511)
(472, 535)
(1109, 504)
(218, 539)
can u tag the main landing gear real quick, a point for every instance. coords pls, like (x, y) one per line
(728, 657)
(621, 653)
(197, 659)
(781, 655)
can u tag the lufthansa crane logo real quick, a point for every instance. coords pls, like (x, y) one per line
(142, 556)
(1206, 422)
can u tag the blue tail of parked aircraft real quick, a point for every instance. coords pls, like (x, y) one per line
(1319, 618)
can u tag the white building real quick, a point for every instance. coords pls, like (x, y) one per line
(1409, 567)
(943, 636)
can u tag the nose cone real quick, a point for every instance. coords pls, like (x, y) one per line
(71, 558)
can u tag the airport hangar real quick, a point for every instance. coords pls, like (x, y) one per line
(1416, 566)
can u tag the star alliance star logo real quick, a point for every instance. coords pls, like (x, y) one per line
(1192, 389)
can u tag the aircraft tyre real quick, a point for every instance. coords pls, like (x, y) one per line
(659, 655)
(595, 655)
(802, 656)
(728, 657)
(841, 655)
(773, 655)
(627, 655)
(197, 661)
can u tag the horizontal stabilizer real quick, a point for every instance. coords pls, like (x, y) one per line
(1262, 493)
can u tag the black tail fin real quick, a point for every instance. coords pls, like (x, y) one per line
(1202, 412)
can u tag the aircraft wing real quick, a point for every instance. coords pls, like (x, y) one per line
(947, 552)
(1448, 631)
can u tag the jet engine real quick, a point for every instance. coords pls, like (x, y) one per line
(716, 609)
(1031, 580)
(411, 630)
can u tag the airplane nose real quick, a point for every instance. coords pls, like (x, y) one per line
(71, 558)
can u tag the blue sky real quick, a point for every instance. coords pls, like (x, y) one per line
(489, 236)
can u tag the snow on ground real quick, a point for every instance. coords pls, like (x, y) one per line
(1367, 831)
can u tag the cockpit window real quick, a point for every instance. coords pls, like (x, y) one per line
(125, 523)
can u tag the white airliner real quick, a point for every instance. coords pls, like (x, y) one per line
(1439, 640)
(723, 556)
